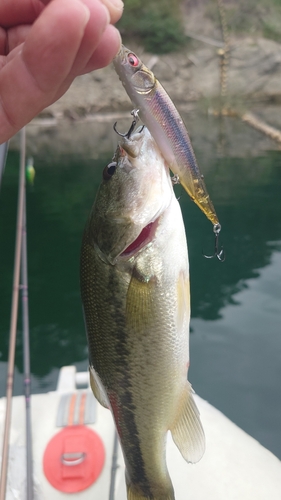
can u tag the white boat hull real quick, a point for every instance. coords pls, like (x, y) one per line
(234, 467)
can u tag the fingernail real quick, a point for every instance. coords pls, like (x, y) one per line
(117, 4)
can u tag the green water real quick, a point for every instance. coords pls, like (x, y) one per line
(236, 312)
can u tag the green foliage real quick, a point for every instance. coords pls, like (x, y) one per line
(157, 25)
(246, 17)
(271, 26)
(270, 32)
(160, 33)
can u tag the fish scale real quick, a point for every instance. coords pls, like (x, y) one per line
(108, 347)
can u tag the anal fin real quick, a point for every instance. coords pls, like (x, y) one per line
(97, 388)
(187, 430)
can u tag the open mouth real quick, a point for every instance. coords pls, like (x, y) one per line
(145, 236)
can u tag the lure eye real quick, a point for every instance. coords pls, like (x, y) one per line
(133, 60)
(109, 170)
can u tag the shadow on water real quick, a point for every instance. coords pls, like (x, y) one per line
(245, 185)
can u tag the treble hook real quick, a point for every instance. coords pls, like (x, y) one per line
(219, 253)
(135, 114)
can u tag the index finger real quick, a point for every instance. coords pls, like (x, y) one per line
(14, 12)
(30, 81)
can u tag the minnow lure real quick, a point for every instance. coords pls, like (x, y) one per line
(165, 124)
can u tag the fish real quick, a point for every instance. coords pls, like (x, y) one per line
(136, 301)
(159, 114)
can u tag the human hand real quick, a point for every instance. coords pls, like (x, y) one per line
(44, 47)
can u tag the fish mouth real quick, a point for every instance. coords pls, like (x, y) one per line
(121, 55)
(146, 236)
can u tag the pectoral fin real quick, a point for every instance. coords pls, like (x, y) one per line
(140, 309)
(187, 430)
(97, 388)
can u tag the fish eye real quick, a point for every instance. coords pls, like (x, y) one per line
(133, 60)
(109, 170)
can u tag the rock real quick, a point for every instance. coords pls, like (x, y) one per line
(255, 69)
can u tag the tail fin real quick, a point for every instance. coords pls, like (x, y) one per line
(134, 494)
(187, 430)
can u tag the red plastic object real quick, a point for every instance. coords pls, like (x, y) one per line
(74, 459)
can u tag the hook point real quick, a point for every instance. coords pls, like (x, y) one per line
(135, 114)
(220, 254)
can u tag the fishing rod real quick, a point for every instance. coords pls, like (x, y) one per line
(114, 467)
(26, 356)
(3, 156)
(14, 316)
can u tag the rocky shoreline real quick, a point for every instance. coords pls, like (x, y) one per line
(254, 75)
(191, 77)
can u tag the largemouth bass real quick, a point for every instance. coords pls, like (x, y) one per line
(135, 293)
(159, 114)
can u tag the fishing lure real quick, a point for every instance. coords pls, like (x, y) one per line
(159, 114)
